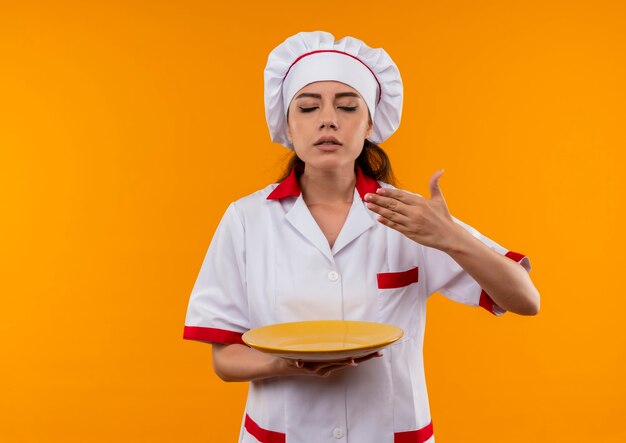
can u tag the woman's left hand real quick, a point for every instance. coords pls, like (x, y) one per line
(425, 221)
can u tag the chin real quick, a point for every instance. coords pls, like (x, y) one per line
(331, 162)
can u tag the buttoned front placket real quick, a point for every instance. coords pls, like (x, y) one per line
(311, 285)
(320, 400)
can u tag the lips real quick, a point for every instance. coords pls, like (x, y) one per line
(329, 141)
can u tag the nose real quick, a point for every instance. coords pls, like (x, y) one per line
(328, 117)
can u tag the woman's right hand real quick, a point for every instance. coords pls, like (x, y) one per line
(321, 369)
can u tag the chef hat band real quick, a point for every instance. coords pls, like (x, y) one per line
(308, 57)
(331, 65)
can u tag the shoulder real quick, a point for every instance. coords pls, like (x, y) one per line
(251, 204)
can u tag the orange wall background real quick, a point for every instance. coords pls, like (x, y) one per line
(127, 127)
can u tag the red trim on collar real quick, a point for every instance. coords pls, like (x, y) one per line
(290, 187)
(365, 184)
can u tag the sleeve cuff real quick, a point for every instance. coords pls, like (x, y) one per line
(486, 301)
(212, 335)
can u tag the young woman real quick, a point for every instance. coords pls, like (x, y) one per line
(335, 239)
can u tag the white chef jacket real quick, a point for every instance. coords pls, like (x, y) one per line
(269, 262)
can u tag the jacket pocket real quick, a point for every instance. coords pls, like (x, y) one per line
(398, 301)
(393, 280)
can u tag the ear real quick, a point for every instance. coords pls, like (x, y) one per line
(370, 129)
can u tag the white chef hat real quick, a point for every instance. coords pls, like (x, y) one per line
(307, 57)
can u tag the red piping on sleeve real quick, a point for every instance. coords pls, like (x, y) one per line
(485, 300)
(516, 256)
(213, 335)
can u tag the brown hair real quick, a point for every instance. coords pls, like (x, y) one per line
(372, 160)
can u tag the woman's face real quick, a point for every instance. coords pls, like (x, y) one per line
(328, 109)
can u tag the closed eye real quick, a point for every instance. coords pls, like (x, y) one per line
(345, 108)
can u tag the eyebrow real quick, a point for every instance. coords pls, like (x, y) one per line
(337, 95)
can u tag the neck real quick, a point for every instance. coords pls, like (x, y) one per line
(328, 186)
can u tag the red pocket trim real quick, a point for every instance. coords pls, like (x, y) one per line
(391, 280)
(263, 435)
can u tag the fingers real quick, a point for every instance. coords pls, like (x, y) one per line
(327, 370)
(390, 201)
(402, 228)
(324, 369)
(368, 357)
(406, 197)
(323, 366)
(389, 214)
(435, 189)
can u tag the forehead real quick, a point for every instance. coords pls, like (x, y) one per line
(325, 87)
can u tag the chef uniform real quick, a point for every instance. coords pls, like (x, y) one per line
(269, 262)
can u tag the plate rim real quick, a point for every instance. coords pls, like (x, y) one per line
(278, 350)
